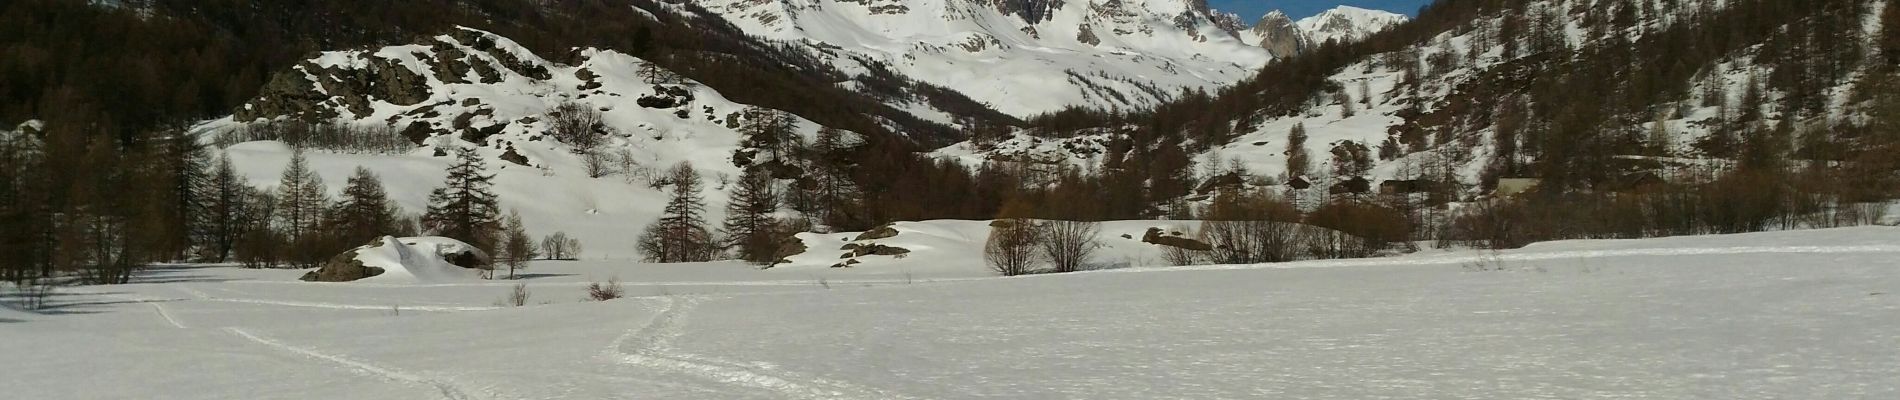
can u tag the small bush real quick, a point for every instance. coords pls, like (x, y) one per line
(597, 291)
(518, 297)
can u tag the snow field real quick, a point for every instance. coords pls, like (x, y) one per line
(1796, 314)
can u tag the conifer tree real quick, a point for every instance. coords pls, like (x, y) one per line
(750, 227)
(225, 209)
(516, 247)
(831, 189)
(1297, 160)
(365, 211)
(179, 182)
(680, 235)
(464, 208)
(300, 199)
(25, 220)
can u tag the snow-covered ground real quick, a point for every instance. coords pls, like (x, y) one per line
(1780, 315)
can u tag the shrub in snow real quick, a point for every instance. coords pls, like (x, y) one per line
(609, 291)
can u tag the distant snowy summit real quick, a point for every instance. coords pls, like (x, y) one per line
(1022, 57)
(1348, 24)
(1284, 37)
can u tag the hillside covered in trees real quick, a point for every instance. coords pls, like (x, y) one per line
(1631, 118)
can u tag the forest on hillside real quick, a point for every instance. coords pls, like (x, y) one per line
(106, 179)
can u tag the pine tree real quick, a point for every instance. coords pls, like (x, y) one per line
(680, 235)
(25, 216)
(1298, 162)
(300, 199)
(464, 208)
(365, 211)
(750, 227)
(225, 209)
(830, 190)
(180, 221)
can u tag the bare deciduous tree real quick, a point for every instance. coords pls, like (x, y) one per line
(1011, 248)
(559, 246)
(1068, 244)
(577, 125)
(597, 291)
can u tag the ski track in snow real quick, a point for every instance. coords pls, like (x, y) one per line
(448, 391)
(160, 308)
(1531, 255)
(168, 316)
(650, 346)
(208, 297)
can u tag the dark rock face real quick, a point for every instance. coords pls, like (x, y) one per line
(468, 258)
(343, 268)
(1279, 36)
(1031, 11)
(1155, 236)
(514, 157)
(1087, 35)
(312, 92)
(788, 246)
(881, 232)
(666, 97)
(879, 250)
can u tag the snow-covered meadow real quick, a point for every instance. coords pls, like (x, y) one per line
(1779, 315)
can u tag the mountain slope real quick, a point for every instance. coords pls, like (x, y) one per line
(1513, 122)
(1346, 24)
(1022, 57)
(1434, 95)
(471, 88)
(1284, 37)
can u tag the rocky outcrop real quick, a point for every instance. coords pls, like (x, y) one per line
(788, 246)
(1160, 237)
(353, 81)
(855, 250)
(881, 232)
(1031, 11)
(1279, 35)
(343, 268)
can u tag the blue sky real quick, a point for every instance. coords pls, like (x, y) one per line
(1251, 9)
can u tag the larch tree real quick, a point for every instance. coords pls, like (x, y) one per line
(225, 209)
(465, 207)
(680, 235)
(301, 197)
(750, 227)
(365, 211)
(25, 218)
(516, 247)
(1298, 162)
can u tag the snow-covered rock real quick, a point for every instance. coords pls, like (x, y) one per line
(405, 260)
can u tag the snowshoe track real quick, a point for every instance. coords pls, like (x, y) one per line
(448, 391)
(650, 346)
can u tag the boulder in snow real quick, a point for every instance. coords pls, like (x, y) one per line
(416, 259)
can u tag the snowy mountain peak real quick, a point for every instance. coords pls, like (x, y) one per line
(1348, 23)
(1277, 33)
(1021, 57)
